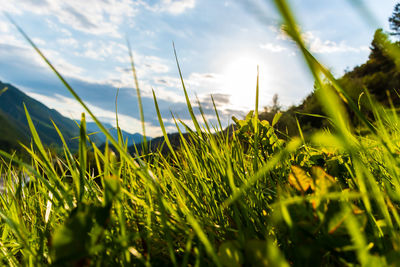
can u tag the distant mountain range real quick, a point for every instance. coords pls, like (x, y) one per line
(14, 126)
(135, 138)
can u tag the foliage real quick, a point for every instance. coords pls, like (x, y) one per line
(394, 20)
(267, 143)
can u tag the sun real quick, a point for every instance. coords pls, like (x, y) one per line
(240, 79)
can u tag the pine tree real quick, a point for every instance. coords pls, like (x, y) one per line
(394, 20)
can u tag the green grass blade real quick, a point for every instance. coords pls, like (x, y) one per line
(217, 114)
(138, 96)
(255, 123)
(82, 159)
(163, 128)
(189, 105)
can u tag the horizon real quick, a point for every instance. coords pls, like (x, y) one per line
(218, 55)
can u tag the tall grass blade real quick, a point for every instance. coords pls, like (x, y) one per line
(171, 149)
(139, 98)
(82, 159)
(255, 123)
(189, 105)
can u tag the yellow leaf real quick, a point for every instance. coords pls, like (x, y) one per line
(300, 180)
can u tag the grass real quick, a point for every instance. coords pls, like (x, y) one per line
(248, 198)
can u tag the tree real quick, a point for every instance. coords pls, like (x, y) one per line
(379, 44)
(270, 111)
(394, 20)
(276, 107)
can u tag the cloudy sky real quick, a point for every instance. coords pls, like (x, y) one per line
(219, 45)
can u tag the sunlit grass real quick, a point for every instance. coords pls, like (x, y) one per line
(247, 198)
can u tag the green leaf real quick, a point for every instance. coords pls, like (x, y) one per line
(235, 119)
(276, 118)
(249, 115)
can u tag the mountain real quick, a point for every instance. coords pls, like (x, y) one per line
(158, 143)
(135, 138)
(9, 134)
(14, 126)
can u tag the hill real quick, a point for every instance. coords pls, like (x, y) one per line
(379, 75)
(9, 134)
(14, 127)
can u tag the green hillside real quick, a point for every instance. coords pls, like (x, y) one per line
(378, 76)
(14, 126)
(10, 134)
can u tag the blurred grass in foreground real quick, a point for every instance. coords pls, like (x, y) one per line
(246, 199)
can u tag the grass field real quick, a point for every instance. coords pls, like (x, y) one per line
(246, 199)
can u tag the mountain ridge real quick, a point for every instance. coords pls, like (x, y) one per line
(14, 128)
(135, 138)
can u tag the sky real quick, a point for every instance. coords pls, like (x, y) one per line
(219, 46)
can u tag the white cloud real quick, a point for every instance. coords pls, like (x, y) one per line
(52, 25)
(316, 45)
(12, 40)
(66, 68)
(68, 42)
(168, 94)
(90, 16)
(148, 68)
(153, 64)
(273, 47)
(205, 80)
(38, 41)
(9, 7)
(4, 27)
(104, 50)
(279, 31)
(174, 7)
(177, 6)
(167, 81)
(63, 66)
(111, 50)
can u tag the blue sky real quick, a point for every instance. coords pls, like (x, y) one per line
(219, 45)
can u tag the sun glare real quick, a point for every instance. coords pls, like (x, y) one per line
(240, 79)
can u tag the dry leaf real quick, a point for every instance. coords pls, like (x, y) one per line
(300, 180)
